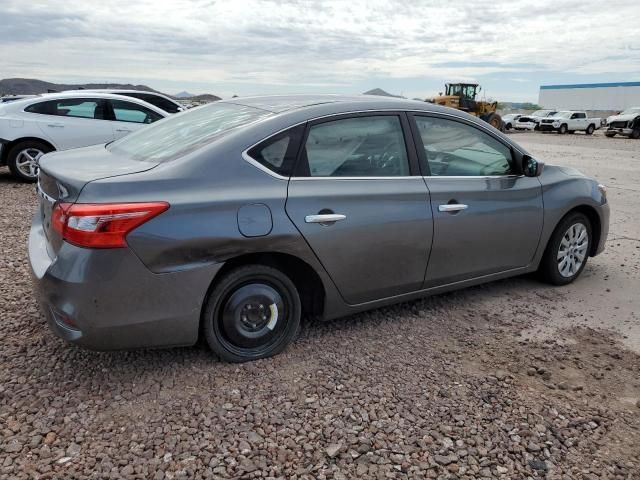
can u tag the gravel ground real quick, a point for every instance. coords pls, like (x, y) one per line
(514, 379)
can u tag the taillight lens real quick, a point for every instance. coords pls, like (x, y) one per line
(102, 225)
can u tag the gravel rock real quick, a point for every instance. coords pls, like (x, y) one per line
(443, 387)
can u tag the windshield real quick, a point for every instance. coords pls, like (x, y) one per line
(631, 111)
(185, 132)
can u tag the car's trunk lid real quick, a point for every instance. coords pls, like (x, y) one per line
(63, 175)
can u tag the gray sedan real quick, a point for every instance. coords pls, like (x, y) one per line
(237, 219)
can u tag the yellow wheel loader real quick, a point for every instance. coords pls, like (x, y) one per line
(462, 96)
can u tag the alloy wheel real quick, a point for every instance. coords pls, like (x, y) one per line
(27, 161)
(573, 250)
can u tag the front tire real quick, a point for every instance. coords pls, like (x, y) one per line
(23, 157)
(635, 134)
(563, 129)
(567, 251)
(610, 134)
(252, 312)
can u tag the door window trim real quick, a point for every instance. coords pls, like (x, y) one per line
(96, 99)
(411, 152)
(424, 164)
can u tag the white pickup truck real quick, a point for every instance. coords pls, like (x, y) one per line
(569, 122)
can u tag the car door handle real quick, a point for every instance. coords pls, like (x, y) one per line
(452, 207)
(122, 130)
(324, 218)
(55, 125)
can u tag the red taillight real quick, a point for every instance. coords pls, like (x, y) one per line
(102, 225)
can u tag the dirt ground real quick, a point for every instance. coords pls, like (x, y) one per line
(514, 379)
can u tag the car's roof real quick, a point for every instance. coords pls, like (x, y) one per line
(283, 103)
(121, 90)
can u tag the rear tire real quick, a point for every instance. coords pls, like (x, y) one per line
(567, 251)
(563, 129)
(252, 312)
(590, 129)
(22, 159)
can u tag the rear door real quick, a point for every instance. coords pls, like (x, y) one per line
(129, 117)
(73, 122)
(358, 200)
(487, 217)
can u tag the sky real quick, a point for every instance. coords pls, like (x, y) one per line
(249, 47)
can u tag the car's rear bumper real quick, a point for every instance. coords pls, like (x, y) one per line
(108, 299)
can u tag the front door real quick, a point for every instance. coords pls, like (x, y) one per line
(361, 207)
(487, 217)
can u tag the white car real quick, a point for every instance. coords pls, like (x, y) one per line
(525, 122)
(509, 120)
(30, 128)
(161, 101)
(570, 121)
(626, 123)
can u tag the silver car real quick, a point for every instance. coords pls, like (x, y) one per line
(237, 219)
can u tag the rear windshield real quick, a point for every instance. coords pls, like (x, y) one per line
(183, 133)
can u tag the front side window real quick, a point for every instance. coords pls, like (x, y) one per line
(70, 107)
(278, 153)
(455, 149)
(132, 112)
(356, 147)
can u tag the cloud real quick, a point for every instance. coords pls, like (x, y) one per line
(303, 45)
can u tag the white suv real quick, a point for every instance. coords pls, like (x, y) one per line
(30, 128)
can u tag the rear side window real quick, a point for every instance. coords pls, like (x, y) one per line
(455, 149)
(70, 107)
(279, 152)
(132, 112)
(181, 134)
(355, 147)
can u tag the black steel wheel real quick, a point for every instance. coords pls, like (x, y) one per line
(252, 312)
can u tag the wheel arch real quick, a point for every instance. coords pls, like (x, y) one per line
(596, 225)
(10, 144)
(309, 284)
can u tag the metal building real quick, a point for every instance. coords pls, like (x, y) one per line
(591, 96)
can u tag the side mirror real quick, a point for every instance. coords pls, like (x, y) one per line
(531, 167)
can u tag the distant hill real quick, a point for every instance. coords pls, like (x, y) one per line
(31, 86)
(381, 93)
(204, 98)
